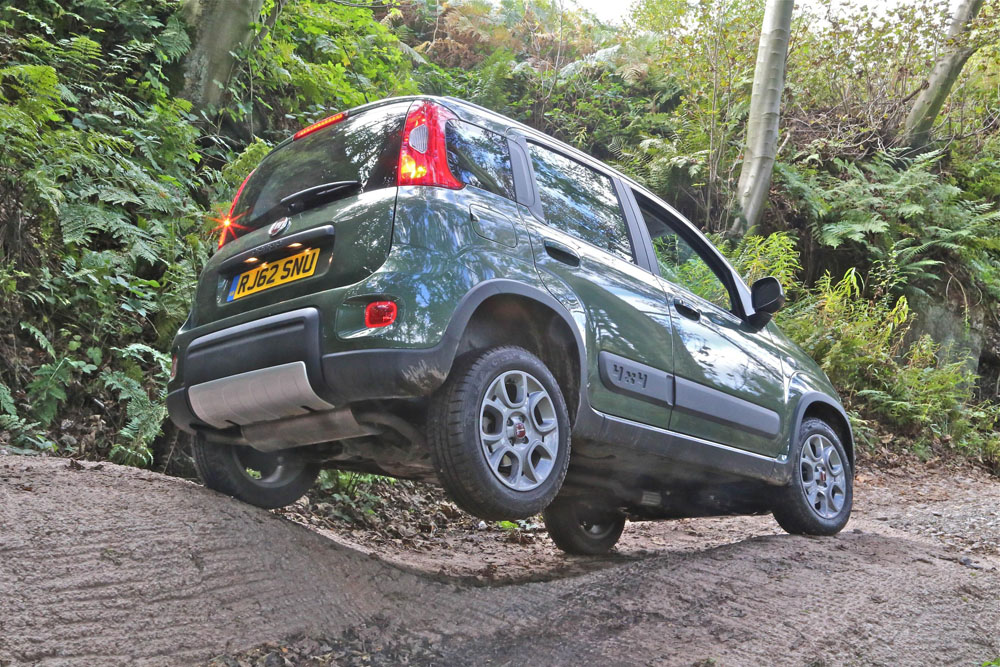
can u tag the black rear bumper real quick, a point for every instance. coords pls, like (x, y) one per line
(340, 379)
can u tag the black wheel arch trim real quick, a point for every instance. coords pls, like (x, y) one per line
(406, 373)
(812, 398)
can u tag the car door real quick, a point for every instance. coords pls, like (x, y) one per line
(729, 382)
(584, 254)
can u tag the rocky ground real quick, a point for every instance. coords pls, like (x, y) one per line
(112, 565)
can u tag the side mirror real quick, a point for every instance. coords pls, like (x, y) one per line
(767, 297)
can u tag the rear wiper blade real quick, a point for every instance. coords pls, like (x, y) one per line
(308, 198)
(303, 199)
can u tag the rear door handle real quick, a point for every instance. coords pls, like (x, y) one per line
(686, 309)
(561, 253)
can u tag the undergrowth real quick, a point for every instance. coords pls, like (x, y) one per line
(857, 333)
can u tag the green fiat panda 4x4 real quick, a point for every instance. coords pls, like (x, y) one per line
(422, 288)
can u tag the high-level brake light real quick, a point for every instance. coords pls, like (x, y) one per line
(319, 125)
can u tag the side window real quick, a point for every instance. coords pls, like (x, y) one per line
(679, 262)
(580, 201)
(479, 158)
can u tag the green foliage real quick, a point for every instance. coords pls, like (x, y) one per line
(101, 232)
(896, 212)
(776, 255)
(144, 414)
(47, 388)
(318, 58)
(352, 493)
(857, 334)
(241, 165)
(975, 168)
(23, 434)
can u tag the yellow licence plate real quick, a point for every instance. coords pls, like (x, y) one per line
(272, 274)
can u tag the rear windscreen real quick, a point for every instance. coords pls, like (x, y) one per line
(363, 147)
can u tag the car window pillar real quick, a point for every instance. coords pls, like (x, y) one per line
(642, 243)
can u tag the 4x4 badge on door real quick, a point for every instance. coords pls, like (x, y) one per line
(278, 226)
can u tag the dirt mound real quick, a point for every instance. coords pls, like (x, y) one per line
(114, 565)
(102, 563)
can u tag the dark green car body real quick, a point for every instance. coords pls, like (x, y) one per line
(680, 405)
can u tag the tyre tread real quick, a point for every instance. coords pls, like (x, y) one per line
(218, 471)
(790, 509)
(563, 526)
(453, 457)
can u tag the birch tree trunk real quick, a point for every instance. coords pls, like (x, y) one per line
(765, 112)
(220, 28)
(927, 106)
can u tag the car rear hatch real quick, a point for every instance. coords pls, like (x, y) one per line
(317, 213)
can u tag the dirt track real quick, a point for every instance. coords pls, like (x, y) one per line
(114, 565)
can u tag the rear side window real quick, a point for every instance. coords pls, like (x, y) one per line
(479, 158)
(580, 201)
(362, 147)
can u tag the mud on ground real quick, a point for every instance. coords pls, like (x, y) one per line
(101, 564)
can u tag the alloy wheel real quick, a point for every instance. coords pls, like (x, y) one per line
(824, 476)
(518, 430)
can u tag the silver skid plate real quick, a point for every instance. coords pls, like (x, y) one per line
(256, 396)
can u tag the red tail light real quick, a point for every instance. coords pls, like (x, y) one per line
(380, 314)
(319, 125)
(227, 226)
(423, 155)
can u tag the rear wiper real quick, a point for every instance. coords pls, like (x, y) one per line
(309, 198)
(318, 194)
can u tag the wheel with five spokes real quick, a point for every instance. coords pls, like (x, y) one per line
(499, 434)
(819, 498)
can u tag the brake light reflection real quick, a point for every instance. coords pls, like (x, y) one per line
(227, 226)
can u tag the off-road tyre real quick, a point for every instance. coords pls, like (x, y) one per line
(284, 476)
(792, 507)
(458, 452)
(579, 530)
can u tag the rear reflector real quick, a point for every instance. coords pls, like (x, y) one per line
(319, 125)
(380, 314)
(423, 155)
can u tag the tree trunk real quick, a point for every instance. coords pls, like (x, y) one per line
(765, 112)
(220, 28)
(927, 106)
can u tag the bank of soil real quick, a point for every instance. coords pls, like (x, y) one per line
(112, 565)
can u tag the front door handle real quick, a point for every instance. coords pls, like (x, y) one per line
(561, 253)
(686, 309)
